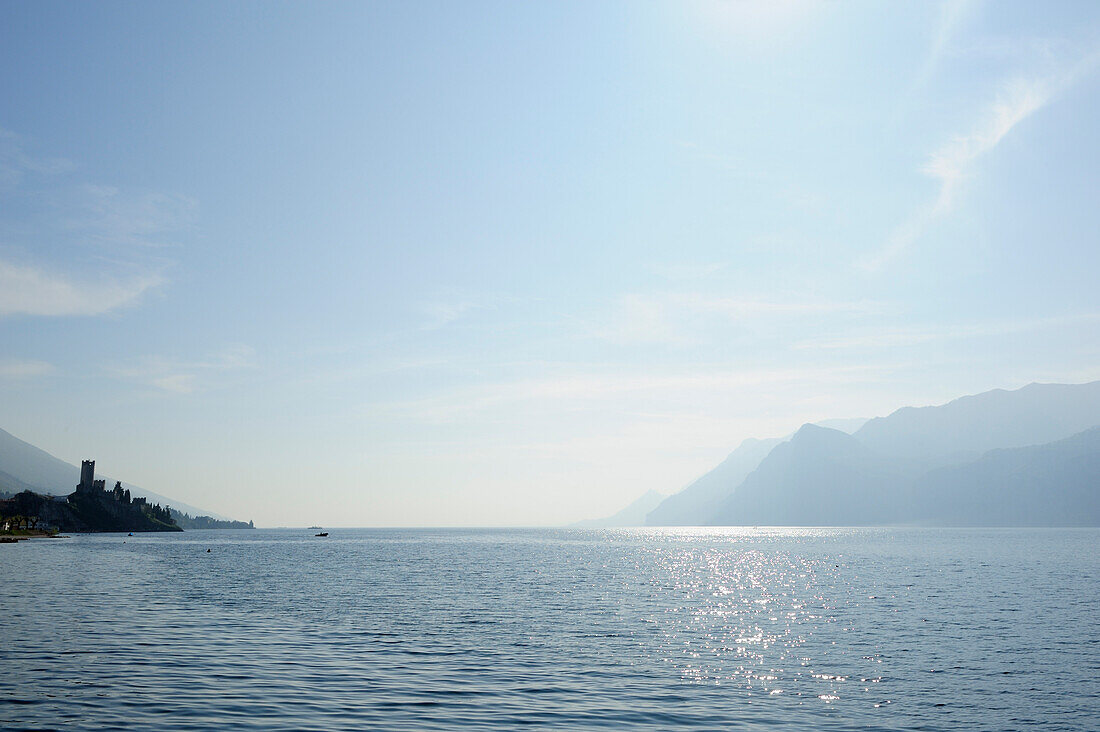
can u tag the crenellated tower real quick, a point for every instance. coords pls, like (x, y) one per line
(87, 476)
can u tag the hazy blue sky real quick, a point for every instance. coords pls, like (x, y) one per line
(468, 263)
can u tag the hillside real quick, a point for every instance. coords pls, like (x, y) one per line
(26, 467)
(821, 477)
(697, 504)
(632, 515)
(1023, 457)
(972, 425)
(1056, 484)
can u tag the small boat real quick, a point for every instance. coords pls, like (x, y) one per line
(323, 533)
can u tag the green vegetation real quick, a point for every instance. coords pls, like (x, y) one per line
(187, 521)
(16, 527)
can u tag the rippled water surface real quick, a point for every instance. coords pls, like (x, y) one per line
(562, 629)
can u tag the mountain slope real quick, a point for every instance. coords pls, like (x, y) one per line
(697, 504)
(632, 515)
(884, 471)
(1056, 484)
(824, 478)
(821, 477)
(30, 468)
(967, 427)
(36, 467)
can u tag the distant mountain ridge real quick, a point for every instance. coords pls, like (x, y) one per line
(971, 425)
(696, 504)
(632, 515)
(1057, 483)
(26, 467)
(843, 478)
(1026, 457)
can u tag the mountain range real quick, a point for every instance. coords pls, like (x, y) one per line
(1029, 457)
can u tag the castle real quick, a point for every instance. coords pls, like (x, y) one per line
(88, 483)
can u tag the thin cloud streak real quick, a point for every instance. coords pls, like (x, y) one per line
(953, 15)
(584, 390)
(442, 314)
(184, 377)
(28, 290)
(687, 271)
(16, 162)
(951, 165)
(98, 228)
(896, 337)
(115, 217)
(23, 369)
(677, 318)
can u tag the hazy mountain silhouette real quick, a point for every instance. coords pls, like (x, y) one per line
(821, 477)
(10, 485)
(969, 426)
(26, 467)
(632, 515)
(1056, 484)
(847, 425)
(945, 464)
(697, 504)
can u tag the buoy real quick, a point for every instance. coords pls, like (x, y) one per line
(207, 551)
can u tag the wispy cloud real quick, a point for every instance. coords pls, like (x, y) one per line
(441, 314)
(446, 308)
(762, 24)
(27, 290)
(181, 376)
(102, 234)
(952, 164)
(113, 216)
(895, 337)
(16, 162)
(588, 390)
(686, 270)
(683, 318)
(953, 15)
(11, 368)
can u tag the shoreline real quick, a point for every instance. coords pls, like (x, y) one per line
(14, 537)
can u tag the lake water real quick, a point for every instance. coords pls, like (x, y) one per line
(561, 629)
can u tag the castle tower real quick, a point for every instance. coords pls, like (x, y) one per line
(87, 475)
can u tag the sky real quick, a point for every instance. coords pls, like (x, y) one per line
(364, 264)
